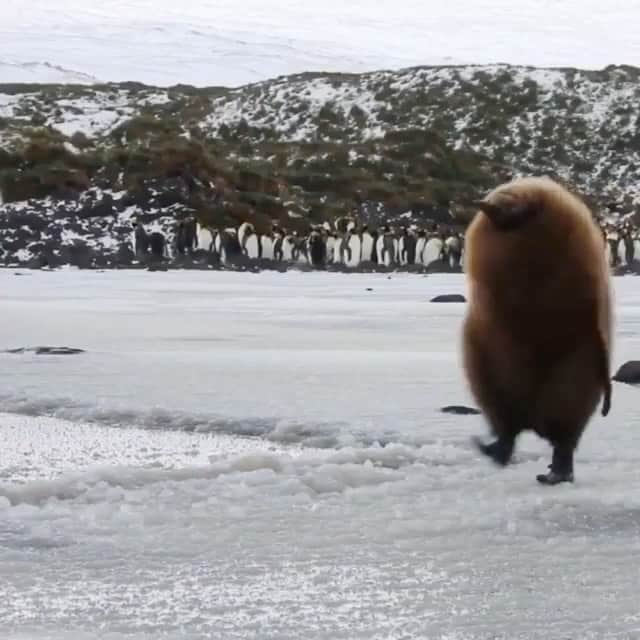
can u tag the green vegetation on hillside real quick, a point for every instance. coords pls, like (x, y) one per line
(315, 146)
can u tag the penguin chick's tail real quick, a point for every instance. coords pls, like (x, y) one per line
(606, 401)
(603, 358)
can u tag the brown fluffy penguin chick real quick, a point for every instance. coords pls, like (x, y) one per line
(537, 336)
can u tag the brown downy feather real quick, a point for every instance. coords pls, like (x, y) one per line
(537, 337)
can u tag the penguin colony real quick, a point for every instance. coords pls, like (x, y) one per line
(339, 244)
(537, 335)
(342, 244)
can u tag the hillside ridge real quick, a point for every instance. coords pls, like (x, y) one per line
(403, 147)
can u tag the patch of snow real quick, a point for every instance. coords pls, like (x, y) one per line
(23, 255)
(92, 116)
(71, 148)
(108, 242)
(69, 236)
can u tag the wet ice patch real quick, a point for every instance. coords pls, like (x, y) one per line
(288, 472)
(277, 430)
(312, 471)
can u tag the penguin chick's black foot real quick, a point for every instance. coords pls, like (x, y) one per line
(553, 477)
(560, 469)
(499, 450)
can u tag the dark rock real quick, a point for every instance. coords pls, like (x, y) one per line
(449, 297)
(49, 351)
(100, 209)
(79, 254)
(628, 373)
(460, 410)
(57, 351)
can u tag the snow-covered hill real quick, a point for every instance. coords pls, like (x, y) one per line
(312, 147)
(228, 43)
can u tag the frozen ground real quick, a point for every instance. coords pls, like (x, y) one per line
(229, 43)
(261, 456)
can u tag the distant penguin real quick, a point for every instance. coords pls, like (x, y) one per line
(266, 247)
(288, 248)
(401, 256)
(230, 249)
(302, 252)
(215, 245)
(636, 246)
(408, 247)
(396, 249)
(385, 247)
(434, 251)
(629, 248)
(278, 239)
(339, 248)
(179, 238)
(190, 234)
(157, 243)
(205, 238)
(140, 240)
(453, 248)
(354, 251)
(244, 230)
(251, 247)
(537, 336)
(420, 245)
(613, 240)
(344, 224)
(317, 249)
(367, 245)
(331, 245)
(380, 253)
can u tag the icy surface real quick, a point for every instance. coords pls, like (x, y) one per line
(262, 456)
(225, 43)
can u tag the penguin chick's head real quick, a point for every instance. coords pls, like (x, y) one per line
(508, 212)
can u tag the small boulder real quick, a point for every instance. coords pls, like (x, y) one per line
(460, 410)
(449, 297)
(628, 373)
(47, 351)
(57, 351)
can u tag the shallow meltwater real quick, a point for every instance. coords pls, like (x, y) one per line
(278, 466)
